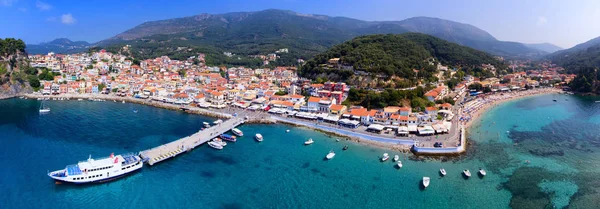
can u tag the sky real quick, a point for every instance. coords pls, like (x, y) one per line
(560, 22)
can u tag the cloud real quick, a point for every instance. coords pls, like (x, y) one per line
(23, 9)
(541, 21)
(7, 3)
(42, 5)
(67, 19)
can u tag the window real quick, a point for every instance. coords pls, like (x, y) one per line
(73, 178)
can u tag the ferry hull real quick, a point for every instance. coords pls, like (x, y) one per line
(99, 181)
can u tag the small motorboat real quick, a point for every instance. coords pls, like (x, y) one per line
(135, 111)
(228, 137)
(385, 157)
(396, 158)
(220, 142)
(287, 131)
(237, 132)
(467, 173)
(215, 145)
(399, 164)
(337, 140)
(44, 109)
(258, 137)
(123, 102)
(330, 155)
(206, 125)
(426, 181)
(345, 147)
(309, 141)
(482, 172)
(443, 171)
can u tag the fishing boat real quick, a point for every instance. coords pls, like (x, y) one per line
(482, 172)
(467, 173)
(426, 181)
(443, 171)
(98, 170)
(215, 145)
(396, 158)
(345, 147)
(385, 157)
(399, 164)
(228, 137)
(309, 141)
(258, 137)
(44, 109)
(220, 142)
(206, 125)
(330, 155)
(237, 132)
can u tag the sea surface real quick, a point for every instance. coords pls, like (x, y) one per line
(537, 153)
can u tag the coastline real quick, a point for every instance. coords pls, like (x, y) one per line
(475, 116)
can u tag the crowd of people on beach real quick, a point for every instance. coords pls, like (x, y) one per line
(474, 108)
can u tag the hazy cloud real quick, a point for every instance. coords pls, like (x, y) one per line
(42, 5)
(51, 19)
(23, 9)
(541, 21)
(67, 19)
(7, 3)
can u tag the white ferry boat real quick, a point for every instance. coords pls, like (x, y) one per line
(99, 170)
(237, 132)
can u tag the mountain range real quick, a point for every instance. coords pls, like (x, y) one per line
(584, 55)
(305, 34)
(60, 45)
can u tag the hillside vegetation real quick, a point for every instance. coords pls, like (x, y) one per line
(409, 56)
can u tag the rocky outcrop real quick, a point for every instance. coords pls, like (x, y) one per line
(13, 61)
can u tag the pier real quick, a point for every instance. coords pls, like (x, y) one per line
(443, 151)
(174, 148)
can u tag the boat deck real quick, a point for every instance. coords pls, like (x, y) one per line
(174, 148)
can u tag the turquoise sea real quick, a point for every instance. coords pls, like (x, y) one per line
(560, 141)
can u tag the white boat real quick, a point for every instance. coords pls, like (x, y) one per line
(206, 125)
(399, 164)
(309, 141)
(98, 170)
(220, 142)
(44, 109)
(80, 99)
(426, 181)
(218, 122)
(396, 158)
(287, 131)
(123, 102)
(330, 155)
(385, 157)
(135, 111)
(258, 137)
(215, 145)
(237, 132)
(482, 172)
(467, 173)
(443, 171)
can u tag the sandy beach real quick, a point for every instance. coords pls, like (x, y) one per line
(480, 105)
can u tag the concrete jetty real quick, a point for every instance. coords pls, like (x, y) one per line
(174, 148)
(443, 151)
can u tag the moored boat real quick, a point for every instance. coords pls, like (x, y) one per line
(426, 181)
(345, 147)
(443, 171)
(206, 125)
(98, 170)
(287, 131)
(330, 155)
(399, 164)
(385, 157)
(44, 109)
(467, 173)
(309, 141)
(228, 137)
(482, 172)
(396, 158)
(237, 132)
(215, 145)
(258, 137)
(220, 142)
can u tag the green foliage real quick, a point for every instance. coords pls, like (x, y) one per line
(452, 83)
(34, 81)
(101, 86)
(47, 75)
(281, 93)
(396, 55)
(476, 87)
(115, 90)
(10, 46)
(586, 80)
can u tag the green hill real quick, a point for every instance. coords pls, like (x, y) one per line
(394, 56)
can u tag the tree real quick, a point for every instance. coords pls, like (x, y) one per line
(281, 93)
(476, 87)
(34, 82)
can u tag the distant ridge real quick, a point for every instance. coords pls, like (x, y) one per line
(60, 45)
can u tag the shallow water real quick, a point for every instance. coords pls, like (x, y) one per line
(281, 172)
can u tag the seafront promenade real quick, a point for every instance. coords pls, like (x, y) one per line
(174, 148)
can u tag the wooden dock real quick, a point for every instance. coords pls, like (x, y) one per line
(174, 148)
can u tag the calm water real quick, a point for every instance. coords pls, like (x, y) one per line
(560, 140)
